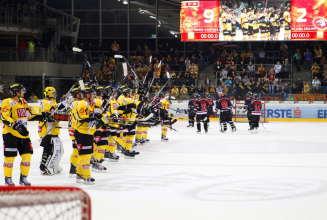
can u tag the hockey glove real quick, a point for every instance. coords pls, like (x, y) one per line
(97, 116)
(47, 117)
(99, 123)
(128, 110)
(21, 129)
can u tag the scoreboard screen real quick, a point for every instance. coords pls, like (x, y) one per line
(309, 20)
(199, 21)
(214, 21)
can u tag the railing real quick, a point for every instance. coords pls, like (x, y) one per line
(40, 54)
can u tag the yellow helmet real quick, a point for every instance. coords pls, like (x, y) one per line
(50, 92)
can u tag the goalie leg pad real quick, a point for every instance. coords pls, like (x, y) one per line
(232, 125)
(58, 153)
(46, 165)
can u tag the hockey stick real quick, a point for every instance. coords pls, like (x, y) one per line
(156, 95)
(148, 69)
(173, 129)
(121, 148)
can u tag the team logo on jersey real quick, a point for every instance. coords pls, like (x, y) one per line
(31, 147)
(24, 101)
(79, 146)
(81, 110)
(5, 109)
(320, 23)
(97, 139)
(40, 129)
(21, 112)
(71, 132)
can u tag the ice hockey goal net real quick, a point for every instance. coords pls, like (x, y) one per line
(44, 203)
(240, 112)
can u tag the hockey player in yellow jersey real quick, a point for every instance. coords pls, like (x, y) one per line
(113, 115)
(100, 139)
(74, 159)
(165, 116)
(287, 22)
(15, 135)
(49, 132)
(244, 24)
(121, 103)
(84, 131)
(226, 26)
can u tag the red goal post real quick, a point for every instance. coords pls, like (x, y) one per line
(44, 203)
(240, 112)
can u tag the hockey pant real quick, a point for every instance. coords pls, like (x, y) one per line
(100, 145)
(223, 119)
(204, 119)
(84, 166)
(209, 114)
(255, 121)
(191, 116)
(24, 165)
(52, 155)
(248, 114)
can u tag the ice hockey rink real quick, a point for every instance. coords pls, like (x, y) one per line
(279, 173)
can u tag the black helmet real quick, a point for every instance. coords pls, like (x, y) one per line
(75, 91)
(87, 90)
(107, 92)
(198, 96)
(249, 94)
(207, 95)
(16, 88)
(125, 91)
(142, 91)
(255, 95)
(98, 90)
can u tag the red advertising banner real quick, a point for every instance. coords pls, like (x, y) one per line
(309, 20)
(199, 21)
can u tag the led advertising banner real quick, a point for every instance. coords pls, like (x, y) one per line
(222, 21)
(199, 21)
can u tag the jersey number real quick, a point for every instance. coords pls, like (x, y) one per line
(204, 106)
(257, 108)
(224, 105)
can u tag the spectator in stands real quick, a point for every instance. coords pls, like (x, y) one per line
(174, 91)
(265, 89)
(283, 46)
(271, 83)
(182, 65)
(184, 91)
(324, 81)
(299, 85)
(318, 52)
(240, 91)
(224, 73)
(2, 85)
(217, 67)
(167, 67)
(212, 88)
(175, 64)
(286, 88)
(249, 57)
(33, 98)
(89, 50)
(257, 89)
(277, 90)
(31, 46)
(199, 89)
(38, 42)
(307, 59)
(243, 56)
(315, 70)
(46, 39)
(286, 68)
(51, 32)
(294, 89)
(261, 71)
(315, 81)
(245, 80)
(241, 66)
(297, 58)
(233, 89)
(284, 54)
(225, 89)
(207, 81)
(316, 90)
(115, 48)
(22, 50)
(277, 69)
(138, 50)
(305, 88)
(262, 56)
(251, 70)
(192, 89)
(228, 82)
(187, 63)
(219, 89)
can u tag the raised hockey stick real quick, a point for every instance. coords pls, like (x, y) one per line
(148, 69)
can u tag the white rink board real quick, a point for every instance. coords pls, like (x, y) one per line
(280, 173)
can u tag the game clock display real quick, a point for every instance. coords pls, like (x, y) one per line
(215, 21)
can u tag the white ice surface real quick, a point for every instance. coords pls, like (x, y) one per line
(280, 173)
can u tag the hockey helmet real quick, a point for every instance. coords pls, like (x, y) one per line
(226, 8)
(98, 90)
(86, 85)
(207, 95)
(126, 91)
(50, 92)
(220, 94)
(87, 90)
(142, 91)
(16, 88)
(198, 96)
(75, 91)
(255, 95)
(249, 94)
(107, 92)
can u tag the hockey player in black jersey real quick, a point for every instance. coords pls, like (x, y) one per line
(201, 114)
(210, 107)
(192, 112)
(247, 103)
(225, 106)
(255, 107)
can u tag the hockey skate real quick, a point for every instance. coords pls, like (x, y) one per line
(147, 140)
(233, 129)
(89, 181)
(98, 167)
(198, 132)
(129, 155)
(48, 172)
(79, 178)
(164, 138)
(106, 156)
(139, 141)
(206, 132)
(23, 181)
(72, 172)
(92, 160)
(113, 157)
(189, 125)
(134, 152)
(9, 182)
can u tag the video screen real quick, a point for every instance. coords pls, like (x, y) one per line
(199, 20)
(258, 21)
(309, 20)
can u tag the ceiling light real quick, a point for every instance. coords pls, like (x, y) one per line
(125, 2)
(153, 17)
(175, 35)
